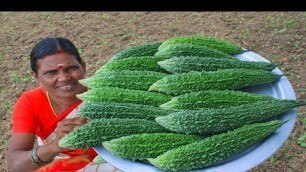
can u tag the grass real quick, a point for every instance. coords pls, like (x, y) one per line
(246, 32)
(21, 79)
(296, 45)
(6, 104)
(101, 44)
(48, 15)
(302, 140)
(104, 15)
(33, 31)
(289, 24)
(132, 20)
(1, 56)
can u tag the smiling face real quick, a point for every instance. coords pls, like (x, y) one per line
(59, 75)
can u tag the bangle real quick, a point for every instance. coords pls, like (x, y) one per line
(36, 159)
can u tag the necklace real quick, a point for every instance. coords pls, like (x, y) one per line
(51, 104)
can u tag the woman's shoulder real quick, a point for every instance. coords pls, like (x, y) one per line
(34, 93)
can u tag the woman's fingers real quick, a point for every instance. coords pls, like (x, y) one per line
(75, 121)
(67, 125)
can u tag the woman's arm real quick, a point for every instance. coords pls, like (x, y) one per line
(21, 145)
(19, 152)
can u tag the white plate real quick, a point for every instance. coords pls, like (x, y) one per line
(250, 158)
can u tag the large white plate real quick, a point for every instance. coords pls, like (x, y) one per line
(250, 158)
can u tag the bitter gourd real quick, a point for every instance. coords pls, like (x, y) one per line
(225, 79)
(215, 149)
(98, 160)
(147, 49)
(135, 80)
(147, 145)
(215, 43)
(177, 50)
(213, 121)
(213, 99)
(192, 63)
(121, 95)
(120, 110)
(143, 63)
(98, 130)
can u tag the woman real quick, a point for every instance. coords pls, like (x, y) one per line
(45, 114)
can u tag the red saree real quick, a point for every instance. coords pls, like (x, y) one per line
(33, 113)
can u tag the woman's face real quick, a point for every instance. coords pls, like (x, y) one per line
(59, 75)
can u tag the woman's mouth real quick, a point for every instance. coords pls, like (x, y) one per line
(66, 87)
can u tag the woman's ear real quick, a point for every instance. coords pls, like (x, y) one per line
(36, 78)
(34, 74)
(84, 67)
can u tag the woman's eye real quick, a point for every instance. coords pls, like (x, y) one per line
(72, 68)
(52, 72)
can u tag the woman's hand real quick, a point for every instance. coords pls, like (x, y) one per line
(64, 127)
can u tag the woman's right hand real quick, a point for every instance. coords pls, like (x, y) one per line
(64, 127)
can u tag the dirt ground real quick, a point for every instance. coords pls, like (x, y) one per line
(277, 36)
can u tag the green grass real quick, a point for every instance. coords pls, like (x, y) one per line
(33, 31)
(104, 15)
(6, 104)
(289, 24)
(3, 140)
(48, 15)
(132, 20)
(296, 45)
(110, 36)
(1, 56)
(246, 32)
(302, 140)
(81, 51)
(272, 160)
(101, 44)
(21, 78)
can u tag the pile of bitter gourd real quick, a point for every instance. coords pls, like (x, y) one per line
(178, 104)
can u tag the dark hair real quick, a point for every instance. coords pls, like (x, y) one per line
(51, 46)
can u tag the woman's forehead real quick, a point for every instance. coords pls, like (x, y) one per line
(57, 60)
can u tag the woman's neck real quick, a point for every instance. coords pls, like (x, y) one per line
(59, 105)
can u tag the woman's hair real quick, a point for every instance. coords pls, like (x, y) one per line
(51, 46)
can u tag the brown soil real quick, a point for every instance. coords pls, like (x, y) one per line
(277, 36)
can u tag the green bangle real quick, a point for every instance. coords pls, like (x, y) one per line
(36, 159)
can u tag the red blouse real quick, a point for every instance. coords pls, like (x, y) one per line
(34, 114)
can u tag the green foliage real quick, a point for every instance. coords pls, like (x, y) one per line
(302, 139)
(19, 79)
(1, 56)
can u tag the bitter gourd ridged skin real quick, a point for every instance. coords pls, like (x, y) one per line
(213, 99)
(191, 63)
(225, 79)
(98, 130)
(121, 95)
(214, 149)
(98, 160)
(147, 49)
(135, 80)
(148, 145)
(214, 121)
(215, 43)
(143, 63)
(120, 110)
(177, 50)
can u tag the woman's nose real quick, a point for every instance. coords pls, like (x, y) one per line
(63, 76)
